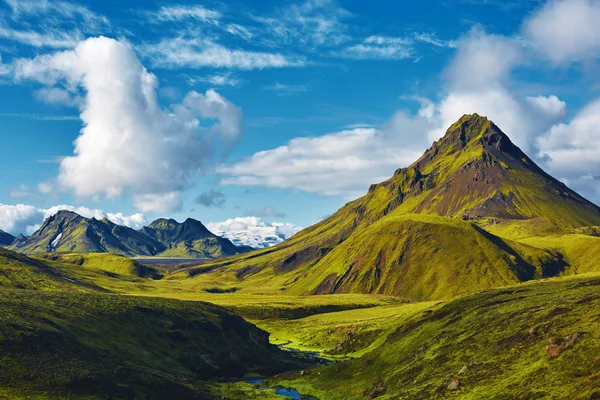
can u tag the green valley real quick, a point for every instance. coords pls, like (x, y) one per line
(470, 274)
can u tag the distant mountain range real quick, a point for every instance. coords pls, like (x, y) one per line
(69, 232)
(474, 212)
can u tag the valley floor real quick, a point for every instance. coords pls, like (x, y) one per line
(110, 328)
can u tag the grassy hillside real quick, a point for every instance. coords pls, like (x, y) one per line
(21, 272)
(415, 256)
(452, 223)
(538, 340)
(113, 264)
(96, 346)
(341, 334)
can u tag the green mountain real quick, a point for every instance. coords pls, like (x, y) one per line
(439, 228)
(189, 239)
(6, 239)
(68, 232)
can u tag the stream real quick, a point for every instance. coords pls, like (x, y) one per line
(285, 392)
(281, 391)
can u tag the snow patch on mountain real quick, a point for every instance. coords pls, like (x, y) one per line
(253, 231)
(55, 242)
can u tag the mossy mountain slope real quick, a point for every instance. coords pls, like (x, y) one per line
(68, 232)
(189, 239)
(6, 239)
(420, 233)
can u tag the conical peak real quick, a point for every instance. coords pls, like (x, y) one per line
(469, 127)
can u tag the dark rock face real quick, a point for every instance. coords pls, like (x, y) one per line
(6, 239)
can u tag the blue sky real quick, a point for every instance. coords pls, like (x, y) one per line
(281, 110)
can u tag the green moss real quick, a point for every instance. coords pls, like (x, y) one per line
(499, 335)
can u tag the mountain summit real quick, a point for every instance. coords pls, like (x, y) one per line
(446, 225)
(475, 171)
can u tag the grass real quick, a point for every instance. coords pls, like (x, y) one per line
(341, 334)
(85, 345)
(416, 256)
(500, 336)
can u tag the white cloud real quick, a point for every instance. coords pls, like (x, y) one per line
(483, 59)
(346, 163)
(226, 79)
(566, 30)
(432, 39)
(572, 149)
(54, 95)
(477, 82)
(26, 219)
(253, 231)
(240, 31)
(20, 218)
(158, 203)
(182, 12)
(55, 24)
(310, 24)
(128, 142)
(21, 191)
(194, 52)
(341, 164)
(135, 221)
(55, 11)
(49, 38)
(380, 47)
(286, 90)
(46, 187)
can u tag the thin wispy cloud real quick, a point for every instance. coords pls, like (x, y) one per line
(309, 24)
(56, 12)
(181, 52)
(379, 47)
(286, 90)
(226, 79)
(183, 13)
(42, 117)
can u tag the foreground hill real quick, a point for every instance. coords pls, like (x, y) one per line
(68, 232)
(93, 346)
(21, 272)
(426, 232)
(531, 341)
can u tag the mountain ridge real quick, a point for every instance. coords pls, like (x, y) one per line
(67, 231)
